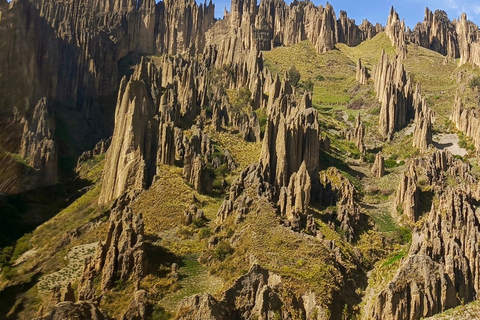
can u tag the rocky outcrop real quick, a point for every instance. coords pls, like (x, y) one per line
(138, 308)
(361, 72)
(441, 270)
(466, 120)
(79, 310)
(274, 23)
(437, 33)
(100, 148)
(400, 101)
(395, 30)
(198, 152)
(422, 134)
(468, 41)
(259, 294)
(130, 160)
(122, 256)
(294, 199)
(378, 168)
(407, 199)
(38, 146)
(357, 135)
(338, 191)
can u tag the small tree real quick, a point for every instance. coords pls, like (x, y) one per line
(294, 76)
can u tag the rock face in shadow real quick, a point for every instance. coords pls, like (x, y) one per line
(198, 152)
(336, 190)
(79, 310)
(38, 146)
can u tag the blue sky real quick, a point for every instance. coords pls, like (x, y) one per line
(377, 10)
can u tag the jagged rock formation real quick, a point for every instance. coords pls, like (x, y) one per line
(400, 101)
(274, 23)
(361, 72)
(407, 199)
(378, 168)
(468, 41)
(79, 310)
(454, 39)
(466, 120)
(122, 256)
(441, 269)
(138, 308)
(198, 152)
(437, 33)
(38, 145)
(294, 199)
(100, 148)
(340, 192)
(422, 134)
(357, 135)
(130, 160)
(395, 30)
(287, 172)
(258, 294)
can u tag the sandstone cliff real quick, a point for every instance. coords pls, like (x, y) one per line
(130, 160)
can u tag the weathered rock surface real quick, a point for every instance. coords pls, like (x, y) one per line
(340, 192)
(361, 72)
(422, 134)
(130, 160)
(257, 295)
(466, 120)
(407, 199)
(357, 135)
(395, 30)
(100, 148)
(198, 152)
(294, 199)
(400, 101)
(441, 269)
(38, 146)
(378, 168)
(122, 256)
(79, 310)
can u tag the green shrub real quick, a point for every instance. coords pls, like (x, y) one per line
(294, 76)
(204, 233)
(222, 251)
(475, 83)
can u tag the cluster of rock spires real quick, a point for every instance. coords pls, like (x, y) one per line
(401, 102)
(466, 120)
(357, 135)
(441, 269)
(121, 257)
(457, 39)
(259, 294)
(100, 148)
(38, 145)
